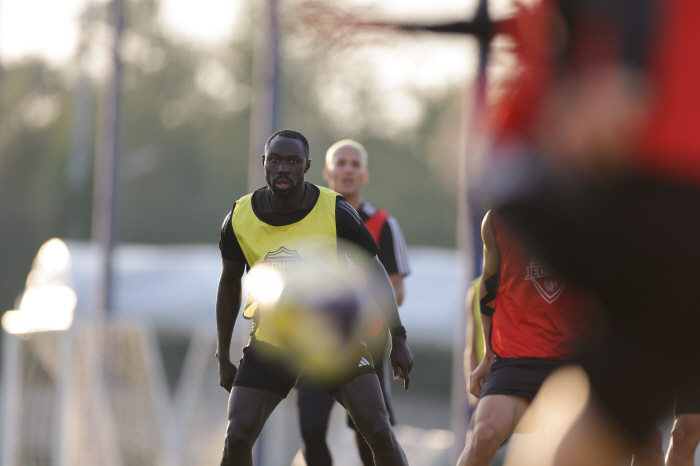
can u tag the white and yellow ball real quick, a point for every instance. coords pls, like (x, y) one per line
(319, 313)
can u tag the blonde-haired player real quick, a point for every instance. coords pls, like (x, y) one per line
(346, 173)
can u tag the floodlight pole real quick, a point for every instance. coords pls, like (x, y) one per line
(103, 238)
(264, 120)
(468, 240)
(264, 111)
(105, 177)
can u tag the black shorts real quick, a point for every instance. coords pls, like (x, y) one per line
(274, 370)
(314, 401)
(518, 376)
(688, 400)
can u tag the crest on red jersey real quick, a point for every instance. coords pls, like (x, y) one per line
(548, 283)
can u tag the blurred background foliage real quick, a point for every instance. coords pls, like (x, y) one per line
(184, 143)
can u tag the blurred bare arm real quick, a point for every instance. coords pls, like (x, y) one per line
(228, 303)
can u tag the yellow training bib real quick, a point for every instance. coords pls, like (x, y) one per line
(288, 247)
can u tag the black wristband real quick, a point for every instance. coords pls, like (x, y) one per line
(398, 331)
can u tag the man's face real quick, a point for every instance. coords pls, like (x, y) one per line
(347, 174)
(285, 165)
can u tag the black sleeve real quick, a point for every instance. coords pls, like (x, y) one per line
(392, 249)
(228, 243)
(350, 227)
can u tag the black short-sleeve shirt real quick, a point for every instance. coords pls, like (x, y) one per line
(349, 225)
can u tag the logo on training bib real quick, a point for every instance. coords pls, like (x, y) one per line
(283, 259)
(549, 285)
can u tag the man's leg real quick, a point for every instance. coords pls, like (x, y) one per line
(685, 437)
(314, 411)
(248, 410)
(363, 399)
(651, 452)
(592, 440)
(364, 450)
(495, 419)
(383, 376)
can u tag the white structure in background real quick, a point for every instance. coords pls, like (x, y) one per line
(81, 392)
(48, 301)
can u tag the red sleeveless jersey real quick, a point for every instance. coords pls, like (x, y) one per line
(537, 313)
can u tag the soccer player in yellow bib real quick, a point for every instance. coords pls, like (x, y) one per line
(264, 227)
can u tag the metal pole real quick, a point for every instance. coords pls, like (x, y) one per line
(264, 115)
(468, 243)
(103, 218)
(103, 235)
(264, 112)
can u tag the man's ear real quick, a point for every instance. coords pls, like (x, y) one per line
(365, 177)
(308, 165)
(326, 173)
(263, 159)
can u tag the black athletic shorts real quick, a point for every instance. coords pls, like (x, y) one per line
(518, 376)
(313, 402)
(276, 371)
(688, 400)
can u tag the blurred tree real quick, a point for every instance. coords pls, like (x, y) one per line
(33, 137)
(184, 141)
(379, 87)
(185, 133)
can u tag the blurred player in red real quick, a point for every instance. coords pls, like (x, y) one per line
(596, 166)
(531, 320)
(346, 173)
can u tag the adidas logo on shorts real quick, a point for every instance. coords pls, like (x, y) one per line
(363, 362)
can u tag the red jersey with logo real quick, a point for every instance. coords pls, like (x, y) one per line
(537, 313)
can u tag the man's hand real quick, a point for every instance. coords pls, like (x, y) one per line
(227, 372)
(478, 376)
(401, 359)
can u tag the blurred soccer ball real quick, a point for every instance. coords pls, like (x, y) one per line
(320, 315)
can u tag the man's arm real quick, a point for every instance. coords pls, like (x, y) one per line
(380, 288)
(473, 353)
(397, 284)
(393, 256)
(228, 303)
(492, 264)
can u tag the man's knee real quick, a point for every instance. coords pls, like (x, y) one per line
(485, 438)
(236, 447)
(378, 434)
(238, 436)
(686, 435)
